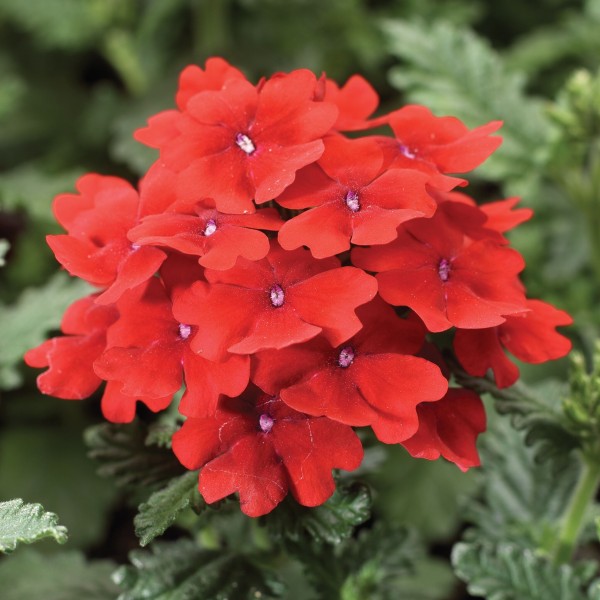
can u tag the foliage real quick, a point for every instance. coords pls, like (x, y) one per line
(126, 456)
(184, 570)
(30, 575)
(22, 523)
(163, 506)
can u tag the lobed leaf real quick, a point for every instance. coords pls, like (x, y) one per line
(182, 570)
(22, 523)
(125, 455)
(160, 511)
(332, 522)
(508, 572)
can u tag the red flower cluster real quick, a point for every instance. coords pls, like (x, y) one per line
(290, 278)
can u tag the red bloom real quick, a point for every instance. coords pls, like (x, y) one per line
(367, 380)
(531, 337)
(449, 428)
(69, 358)
(356, 101)
(442, 141)
(356, 201)
(241, 142)
(286, 298)
(96, 247)
(148, 354)
(260, 448)
(163, 128)
(447, 279)
(217, 238)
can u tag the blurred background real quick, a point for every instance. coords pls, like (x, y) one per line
(78, 76)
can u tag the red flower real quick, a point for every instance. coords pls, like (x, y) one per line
(442, 141)
(162, 128)
(356, 200)
(148, 354)
(356, 101)
(283, 299)
(243, 142)
(69, 358)
(446, 278)
(217, 238)
(531, 337)
(70, 361)
(449, 428)
(96, 247)
(367, 380)
(257, 446)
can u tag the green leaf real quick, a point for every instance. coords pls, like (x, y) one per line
(161, 509)
(452, 71)
(30, 575)
(522, 500)
(27, 523)
(125, 455)
(378, 562)
(182, 570)
(508, 572)
(331, 522)
(26, 322)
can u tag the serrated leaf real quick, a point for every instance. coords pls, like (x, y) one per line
(26, 322)
(521, 499)
(378, 561)
(508, 572)
(22, 523)
(452, 71)
(161, 509)
(182, 570)
(125, 455)
(331, 522)
(29, 575)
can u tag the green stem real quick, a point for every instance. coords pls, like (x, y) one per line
(573, 517)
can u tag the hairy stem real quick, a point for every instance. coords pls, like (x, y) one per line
(573, 517)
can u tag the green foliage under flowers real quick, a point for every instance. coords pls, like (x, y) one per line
(77, 79)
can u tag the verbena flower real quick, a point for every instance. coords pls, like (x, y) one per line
(289, 325)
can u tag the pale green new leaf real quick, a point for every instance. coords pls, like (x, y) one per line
(30, 575)
(22, 523)
(508, 572)
(161, 509)
(25, 323)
